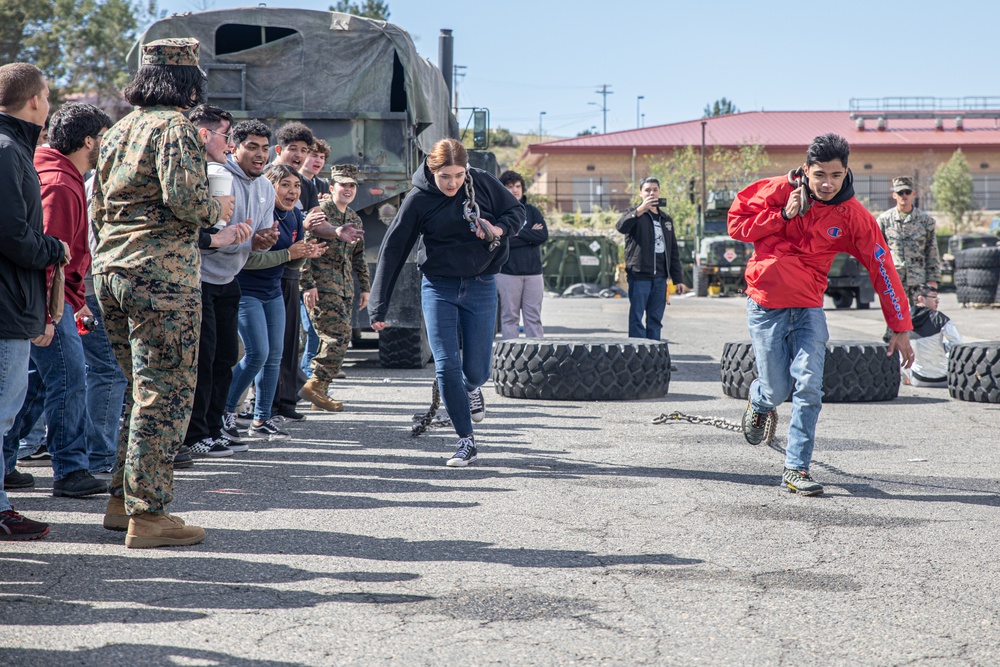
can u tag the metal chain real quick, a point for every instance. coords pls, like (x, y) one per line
(429, 419)
(471, 213)
(718, 422)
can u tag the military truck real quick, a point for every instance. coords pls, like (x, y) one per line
(848, 282)
(719, 260)
(357, 83)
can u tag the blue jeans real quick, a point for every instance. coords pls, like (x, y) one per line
(469, 305)
(34, 441)
(262, 327)
(61, 387)
(649, 297)
(13, 387)
(790, 346)
(29, 416)
(312, 343)
(105, 393)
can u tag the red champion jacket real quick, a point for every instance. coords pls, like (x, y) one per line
(792, 258)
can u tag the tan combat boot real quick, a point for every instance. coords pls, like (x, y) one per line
(315, 391)
(146, 531)
(115, 517)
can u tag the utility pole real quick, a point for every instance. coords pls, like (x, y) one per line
(540, 114)
(459, 72)
(638, 118)
(604, 92)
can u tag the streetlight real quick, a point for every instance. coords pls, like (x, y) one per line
(540, 114)
(640, 98)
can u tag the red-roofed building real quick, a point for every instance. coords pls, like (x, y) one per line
(595, 170)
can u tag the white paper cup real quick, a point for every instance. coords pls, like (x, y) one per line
(220, 183)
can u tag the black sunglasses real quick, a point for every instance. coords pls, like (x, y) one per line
(905, 193)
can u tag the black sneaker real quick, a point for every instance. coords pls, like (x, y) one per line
(207, 447)
(759, 426)
(267, 430)
(246, 415)
(229, 427)
(236, 445)
(801, 482)
(477, 408)
(78, 484)
(291, 415)
(16, 479)
(15, 527)
(40, 459)
(465, 454)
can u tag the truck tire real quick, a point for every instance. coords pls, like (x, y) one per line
(974, 372)
(986, 278)
(700, 281)
(567, 369)
(843, 299)
(854, 372)
(971, 294)
(403, 347)
(978, 258)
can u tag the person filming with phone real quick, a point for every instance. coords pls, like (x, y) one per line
(651, 255)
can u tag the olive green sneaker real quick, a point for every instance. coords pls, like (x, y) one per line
(801, 482)
(759, 427)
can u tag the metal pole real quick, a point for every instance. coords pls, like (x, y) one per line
(704, 195)
(638, 122)
(540, 114)
(446, 54)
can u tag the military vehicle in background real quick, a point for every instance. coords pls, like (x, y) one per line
(719, 260)
(357, 83)
(848, 282)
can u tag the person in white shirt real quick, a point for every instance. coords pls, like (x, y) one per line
(933, 336)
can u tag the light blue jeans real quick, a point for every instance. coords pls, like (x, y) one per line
(262, 329)
(312, 342)
(466, 307)
(790, 347)
(13, 387)
(105, 393)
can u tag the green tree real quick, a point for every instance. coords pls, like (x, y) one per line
(680, 177)
(952, 189)
(369, 9)
(80, 45)
(503, 137)
(721, 107)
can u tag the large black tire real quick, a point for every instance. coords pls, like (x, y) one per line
(843, 299)
(700, 281)
(402, 347)
(978, 258)
(969, 294)
(854, 372)
(986, 278)
(974, 372)
(567, 369)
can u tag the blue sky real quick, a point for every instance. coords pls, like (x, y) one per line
(523, 57)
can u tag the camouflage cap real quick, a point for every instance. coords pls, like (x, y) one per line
(902, 183)
(174, 51)
(344, 173)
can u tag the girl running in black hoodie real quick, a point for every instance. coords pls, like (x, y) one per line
(458, 262)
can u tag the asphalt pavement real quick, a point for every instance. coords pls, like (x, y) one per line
(585, 533)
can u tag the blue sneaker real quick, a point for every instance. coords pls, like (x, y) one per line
(465, 454)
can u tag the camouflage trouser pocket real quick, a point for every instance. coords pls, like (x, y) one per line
(170, 335)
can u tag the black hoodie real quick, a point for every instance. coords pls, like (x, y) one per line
(25, 251)
(448, 249)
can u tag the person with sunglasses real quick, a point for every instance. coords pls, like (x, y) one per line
(911, 237)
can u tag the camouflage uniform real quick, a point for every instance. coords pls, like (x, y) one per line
(913, 245)
(150, 198)
(330, 274)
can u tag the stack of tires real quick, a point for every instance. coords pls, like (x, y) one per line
(974, 372)
(977, 274)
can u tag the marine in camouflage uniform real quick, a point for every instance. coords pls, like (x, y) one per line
(330, 275)
(911, 238)
(150, 199)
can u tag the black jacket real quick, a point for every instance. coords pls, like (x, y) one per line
(525, 251)
(640, 241)
(25, 251)
(447, 247)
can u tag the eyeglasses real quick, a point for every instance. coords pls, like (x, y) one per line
(228, 137)
(905, 193)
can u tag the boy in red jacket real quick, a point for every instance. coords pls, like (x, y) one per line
(798, 224)
(60, 381)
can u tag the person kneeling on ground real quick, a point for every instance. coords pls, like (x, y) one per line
(933, 336)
